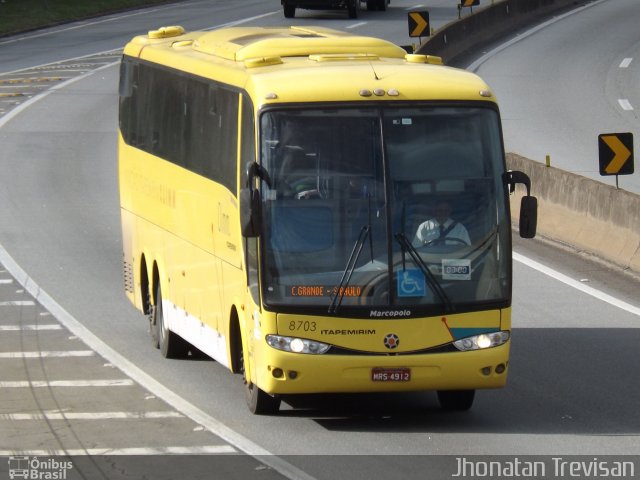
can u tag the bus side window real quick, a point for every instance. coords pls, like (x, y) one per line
(125, 88)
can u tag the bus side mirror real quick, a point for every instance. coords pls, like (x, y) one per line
(250, 212)
(528, 205)
(528, 216)
(251, 201)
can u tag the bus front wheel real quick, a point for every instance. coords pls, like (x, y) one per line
(260, 402)
(456, 400)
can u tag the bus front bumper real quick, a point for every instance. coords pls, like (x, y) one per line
(291, 373)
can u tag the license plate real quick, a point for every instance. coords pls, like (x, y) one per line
(390, 374)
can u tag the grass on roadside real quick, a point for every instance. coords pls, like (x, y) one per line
(22, 15)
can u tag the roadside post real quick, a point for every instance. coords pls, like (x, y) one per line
(467, 3)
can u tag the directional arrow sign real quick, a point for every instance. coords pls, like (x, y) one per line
(419, 24)
(616, 153)
(469, 3)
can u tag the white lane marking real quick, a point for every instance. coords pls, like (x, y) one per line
(50, 354)
(626, 62)
(114, 50)
(17, 303)
(90, 416)
(478, 63)
(153, 386)
(577, 284)
(625, 104)
(23, 106)
(125, 382)
(414, 7)
(356, 25)
(19, 328)
(6, 281)
(195, 450)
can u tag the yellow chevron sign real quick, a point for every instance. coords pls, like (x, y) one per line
(419, 24)
(469, 3)
(616, 153)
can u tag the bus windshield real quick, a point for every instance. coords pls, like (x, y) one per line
(396, 206)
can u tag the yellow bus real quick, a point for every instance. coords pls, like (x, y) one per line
(279, 188)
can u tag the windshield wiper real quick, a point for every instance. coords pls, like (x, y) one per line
(338, 294)
(433, 283)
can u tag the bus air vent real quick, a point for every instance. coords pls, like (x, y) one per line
(182, 43)
(430, 59)
(262, 62)
(166, 32)
(341, 57)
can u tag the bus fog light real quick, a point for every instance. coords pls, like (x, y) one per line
(501, 368)
(297, 345)
(277, 373)
(482, 341)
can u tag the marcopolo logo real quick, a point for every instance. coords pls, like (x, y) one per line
(389, 313)
(36, 469)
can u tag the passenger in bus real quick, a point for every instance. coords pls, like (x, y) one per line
(441, 229)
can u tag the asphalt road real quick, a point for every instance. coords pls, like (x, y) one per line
(573, 385)
(563, 84)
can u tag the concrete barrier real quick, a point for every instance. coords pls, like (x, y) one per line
(583, 213)
(489, 24)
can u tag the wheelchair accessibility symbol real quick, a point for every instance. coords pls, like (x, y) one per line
(411, 283)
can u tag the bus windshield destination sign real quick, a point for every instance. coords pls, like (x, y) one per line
(323, 291)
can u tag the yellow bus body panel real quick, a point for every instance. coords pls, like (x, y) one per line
(187, 227)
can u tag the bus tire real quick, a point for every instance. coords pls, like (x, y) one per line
(170, 344)
(352, 9)
(382, 5)
(153, 326)
(456, 400)
(289, 11)
(259, 401)
(371, 5)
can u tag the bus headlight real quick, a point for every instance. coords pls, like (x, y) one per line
(297, 345)
(484, 340)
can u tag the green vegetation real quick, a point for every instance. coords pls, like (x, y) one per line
(21, 15)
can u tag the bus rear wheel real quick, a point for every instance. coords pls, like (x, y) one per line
(289, 11)
(456, 400)
(170, 344)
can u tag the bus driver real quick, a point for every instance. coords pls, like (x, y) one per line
(441, 229)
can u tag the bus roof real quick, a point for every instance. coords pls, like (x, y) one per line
(307, 64)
